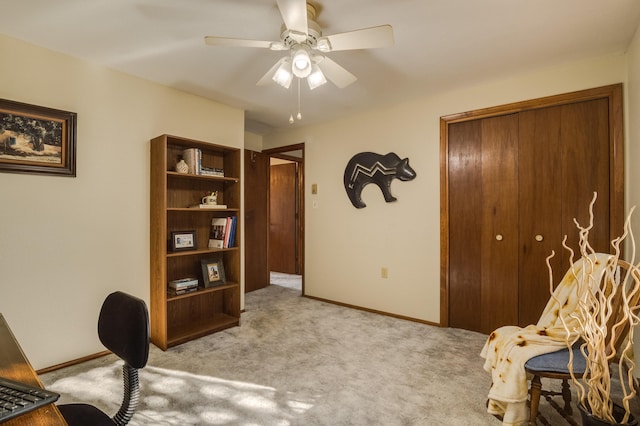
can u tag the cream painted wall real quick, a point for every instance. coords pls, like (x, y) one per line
(65, 243)
(633, 150)
(252, 141)
(346, 247)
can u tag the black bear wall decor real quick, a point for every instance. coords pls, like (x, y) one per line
(368, 167)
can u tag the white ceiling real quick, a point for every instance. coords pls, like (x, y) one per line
(439, 44)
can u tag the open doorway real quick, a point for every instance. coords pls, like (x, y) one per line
(286, 216)
(264, 225)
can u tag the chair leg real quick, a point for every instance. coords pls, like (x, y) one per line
(535, 392)
(566, 396)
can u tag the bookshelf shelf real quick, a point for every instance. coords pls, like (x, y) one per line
(178, 319)
(201, 291)
(200, 177)
(201, 251)
(197, 329)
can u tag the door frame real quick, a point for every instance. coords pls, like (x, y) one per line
(616, 169)
(281, 153)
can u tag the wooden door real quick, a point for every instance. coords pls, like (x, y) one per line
(564, 159)
(256, 178)
(586, 168)
(483, 191)
(566, 148)
(283, 205)
(540, 208)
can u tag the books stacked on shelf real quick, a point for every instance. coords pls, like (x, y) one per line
(211, 171)
(193, 158)
(182, 286)
(223, 232)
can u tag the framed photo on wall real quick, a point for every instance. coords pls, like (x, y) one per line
(213, 272)
(183, 240)
(36, 139)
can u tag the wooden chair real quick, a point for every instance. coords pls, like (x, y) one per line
(554, 365)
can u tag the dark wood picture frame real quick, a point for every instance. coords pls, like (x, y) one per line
(213, 272)
(37, 140)
(183, 240)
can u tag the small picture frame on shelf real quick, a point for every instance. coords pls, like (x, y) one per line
(213, 272)
(183, 240)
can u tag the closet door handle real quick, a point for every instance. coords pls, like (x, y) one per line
(539, 238)
(499, 237)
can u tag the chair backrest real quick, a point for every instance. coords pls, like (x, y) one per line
(123, 328)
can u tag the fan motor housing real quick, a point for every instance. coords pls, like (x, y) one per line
(314, 32)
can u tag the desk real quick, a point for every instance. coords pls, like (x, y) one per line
(15, 365)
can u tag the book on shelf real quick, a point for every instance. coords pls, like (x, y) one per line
(211, 171)
(227, 232)
(183, 283)
(208, 206)
(193, 158)
(217, 232)
(232, 233)
(223, 232)
(229, 237)
(178, 292)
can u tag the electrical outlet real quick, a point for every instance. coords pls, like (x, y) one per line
(384, 272)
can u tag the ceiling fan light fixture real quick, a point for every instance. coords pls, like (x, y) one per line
(316, 78)
(283, 75)
(301, 61)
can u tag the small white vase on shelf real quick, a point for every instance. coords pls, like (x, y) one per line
(182, 167)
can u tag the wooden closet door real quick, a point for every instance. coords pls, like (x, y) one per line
(564, 159)
(567, 147)
(585, 170)
(465, 199)
(540, 208)
(483, 182)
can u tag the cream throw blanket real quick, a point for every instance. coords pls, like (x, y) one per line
(508, 348)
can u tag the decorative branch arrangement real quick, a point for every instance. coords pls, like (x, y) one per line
(607, 313)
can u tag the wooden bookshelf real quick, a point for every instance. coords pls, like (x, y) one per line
(178, 319)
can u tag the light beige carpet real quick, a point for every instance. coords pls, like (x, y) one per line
(298, 361)
(292, 281)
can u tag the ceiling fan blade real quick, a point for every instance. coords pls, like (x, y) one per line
(268, 77)
(294, 15)
(241, 42)
(366, 38)
(336, 73)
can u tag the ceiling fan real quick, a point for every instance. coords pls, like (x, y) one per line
(302, 37)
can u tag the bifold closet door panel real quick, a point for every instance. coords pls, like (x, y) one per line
(564, 159)
(465, 222)
(585, 170)
(540, 208)
(483, 228)
(499, 231)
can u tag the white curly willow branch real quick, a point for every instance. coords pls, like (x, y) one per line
(588, 323)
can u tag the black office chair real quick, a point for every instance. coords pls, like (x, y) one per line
(123, 328)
